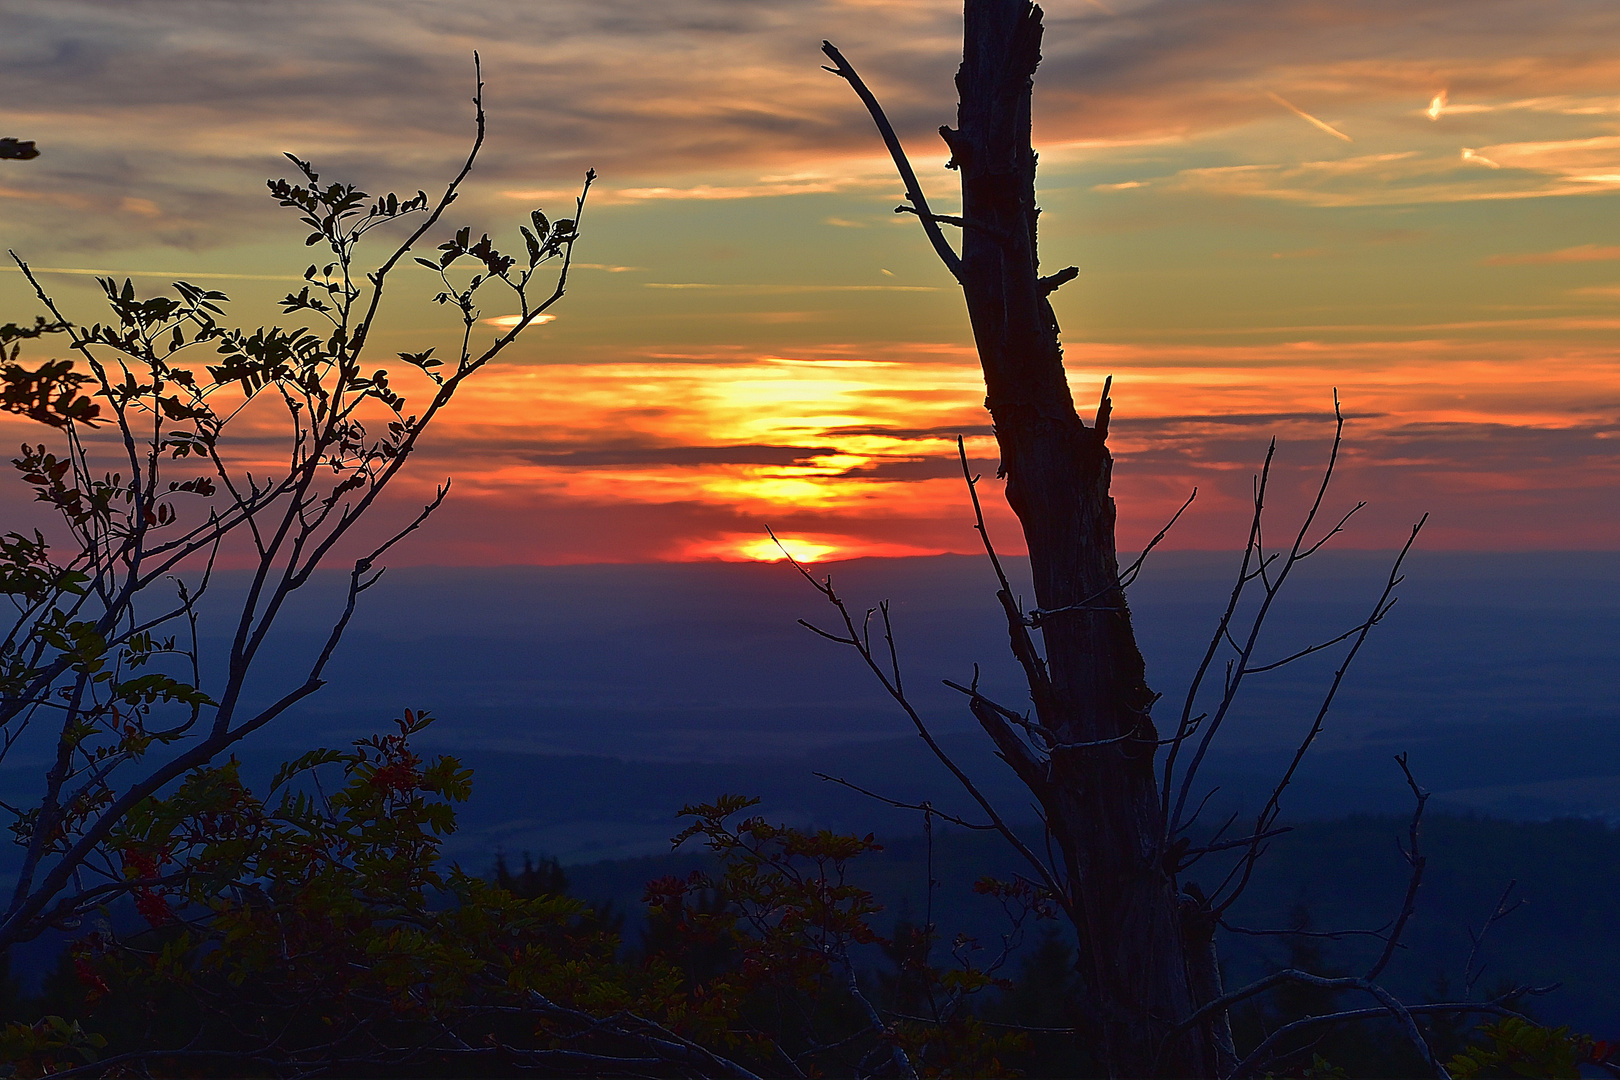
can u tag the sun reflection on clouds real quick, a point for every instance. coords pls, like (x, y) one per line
(856, 457)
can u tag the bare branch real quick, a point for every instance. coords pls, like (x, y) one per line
(1269, 812)
(1417, 861)
(1501, 911)
(1129, 574)
(825, 588)
(926, 808)
(843, 69)
(1264, 1053)
(1184, 726)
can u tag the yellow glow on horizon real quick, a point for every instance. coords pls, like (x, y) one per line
(805, 549)
(802, 550)
(506, 322)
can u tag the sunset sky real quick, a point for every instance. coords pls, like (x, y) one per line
(1415, 204)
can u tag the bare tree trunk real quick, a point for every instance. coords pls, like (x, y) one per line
(1102, 802)
(1155, 1004)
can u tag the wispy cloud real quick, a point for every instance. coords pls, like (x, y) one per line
(1527, 170)
(1580, 254)
(709, 192)
(170, 275)
(160, 127)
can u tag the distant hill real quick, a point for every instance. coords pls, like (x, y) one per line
(594, 701)
(1346, 874)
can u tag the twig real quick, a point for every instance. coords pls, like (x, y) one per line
(1501, 911)
(1262, 1054)
(1417, 861)
(923, 807)
(853, 640)
(1271, 809)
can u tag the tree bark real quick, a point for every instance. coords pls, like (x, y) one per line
(1101, 802)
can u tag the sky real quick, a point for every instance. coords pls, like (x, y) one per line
(1414, 205)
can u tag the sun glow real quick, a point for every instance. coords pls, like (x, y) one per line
(765, 549)
(805, 549)
(506, 322)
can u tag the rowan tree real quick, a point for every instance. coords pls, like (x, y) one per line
(153, 472)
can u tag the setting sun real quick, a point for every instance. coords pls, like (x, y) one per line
(802, 550)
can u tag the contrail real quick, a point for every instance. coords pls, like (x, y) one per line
(1470, 155)
(1303, 115)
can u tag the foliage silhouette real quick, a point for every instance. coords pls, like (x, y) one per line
(157, 472)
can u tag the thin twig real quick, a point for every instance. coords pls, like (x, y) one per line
(1501, 911)
(853, 640)
(923, 807)
(1417, 861)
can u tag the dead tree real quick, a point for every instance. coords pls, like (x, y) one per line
(1119, 830)
(1099, 792)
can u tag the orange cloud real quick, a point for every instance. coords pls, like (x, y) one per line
(676, 460)
(692, 461)
(1579, 254)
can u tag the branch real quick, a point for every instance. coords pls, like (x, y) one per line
(1185, 726)
(930, 223)
(1390, 1007)
(1051, 283)
(1502, 910)
(1417, 861)
(1269, 812)
(1029, 658)
(654, 1036)
(951, 219)
(1132, 571)
(1262, 1054)
(825, 588)
(924, 807)
(902, 1062)
(995, 723)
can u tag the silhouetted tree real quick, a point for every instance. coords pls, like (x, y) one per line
(1116, 795)
(152, 479)
(545, 878)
